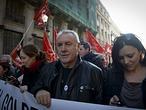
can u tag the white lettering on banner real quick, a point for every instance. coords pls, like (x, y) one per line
(12, 99)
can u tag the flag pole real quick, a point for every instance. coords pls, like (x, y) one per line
(24, 34)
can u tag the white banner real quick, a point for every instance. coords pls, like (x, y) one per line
(72, 105)
(12, 99)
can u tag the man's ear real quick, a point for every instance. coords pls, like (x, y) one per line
(79, 45)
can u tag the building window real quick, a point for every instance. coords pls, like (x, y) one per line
(15, 10)
(10, 40)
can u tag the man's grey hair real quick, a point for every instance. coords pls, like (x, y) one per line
(69, 31)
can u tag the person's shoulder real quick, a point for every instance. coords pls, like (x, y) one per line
(90, 69)
(47, 63)
(99, 56)
(47, 66)
(114, 72)
(91, 54)
(91, 66)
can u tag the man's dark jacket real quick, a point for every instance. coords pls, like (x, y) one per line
(95, 59)
(84, 82)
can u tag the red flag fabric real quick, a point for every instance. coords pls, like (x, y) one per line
(108, 48)
(15, 58)
(93, 42)
(47, 48)
(40, 12)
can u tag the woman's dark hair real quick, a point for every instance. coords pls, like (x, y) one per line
(120, 42)
(32, 51)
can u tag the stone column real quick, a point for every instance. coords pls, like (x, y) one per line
(2, 11)
(50, 28)
(29, 23)
(2, 15)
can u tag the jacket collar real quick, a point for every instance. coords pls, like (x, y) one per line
(58, 64)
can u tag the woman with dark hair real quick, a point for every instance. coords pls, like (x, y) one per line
(35, 67)
(125, 82)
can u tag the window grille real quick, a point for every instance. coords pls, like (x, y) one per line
(10, 40)
(15, 11)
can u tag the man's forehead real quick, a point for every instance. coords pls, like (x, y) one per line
(66, 37)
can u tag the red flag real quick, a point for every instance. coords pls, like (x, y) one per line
(51, 56)
(108, 48)
(93, 42)
(15, 58)
(40, 12)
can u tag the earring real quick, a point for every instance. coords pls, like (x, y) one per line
(142, 57)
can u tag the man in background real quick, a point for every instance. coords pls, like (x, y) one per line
(88, 55)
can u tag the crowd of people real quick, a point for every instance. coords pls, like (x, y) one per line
(79, 74)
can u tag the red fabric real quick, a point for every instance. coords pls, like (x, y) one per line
(32, 69)
(47, 48)
(34, 66)
(15, 58)
(93, 42)
(108, 48)
(42, 10)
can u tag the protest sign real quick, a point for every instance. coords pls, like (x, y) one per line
(12, 99)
